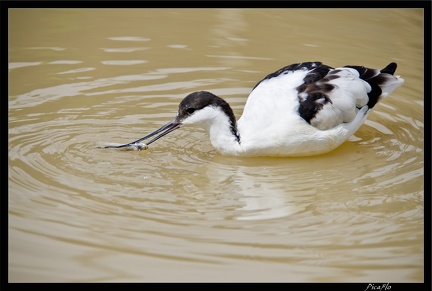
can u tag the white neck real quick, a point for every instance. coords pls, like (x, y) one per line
(218, 125)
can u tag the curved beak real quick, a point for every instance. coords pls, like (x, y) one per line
(164, 130)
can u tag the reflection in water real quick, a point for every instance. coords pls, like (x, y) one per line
(262, 195)
(179, 211)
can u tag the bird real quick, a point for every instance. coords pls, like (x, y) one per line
(302, 109)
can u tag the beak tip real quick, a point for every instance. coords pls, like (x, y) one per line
(142, 146)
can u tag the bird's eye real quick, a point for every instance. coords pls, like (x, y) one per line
(190, 110)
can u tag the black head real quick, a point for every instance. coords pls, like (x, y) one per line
(201, 99)
(198, 100)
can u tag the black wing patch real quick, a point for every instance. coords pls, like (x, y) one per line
(292, 68)
(375, 79)
(314, 102)
(313, 92)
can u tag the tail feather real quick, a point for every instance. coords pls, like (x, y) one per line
(382, 82)
(390, 69)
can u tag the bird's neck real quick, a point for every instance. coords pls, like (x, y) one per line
(225, 140)
(223, 131)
